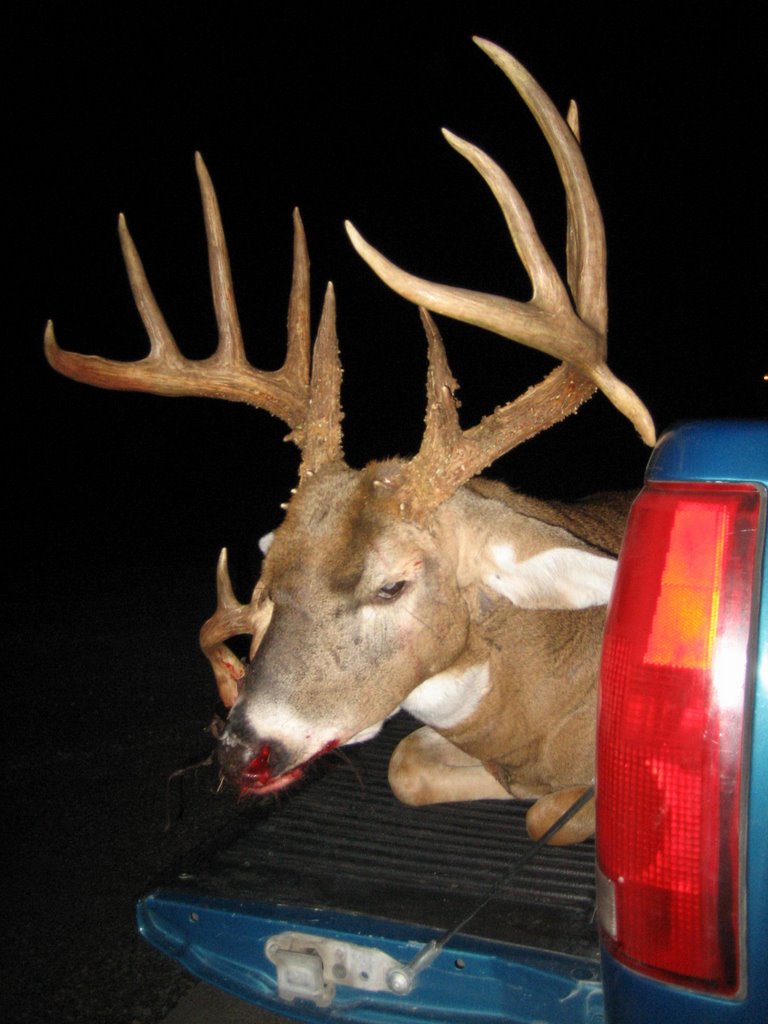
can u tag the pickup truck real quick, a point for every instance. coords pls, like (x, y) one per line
(340, 904)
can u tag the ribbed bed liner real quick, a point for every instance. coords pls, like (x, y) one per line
(342, 841)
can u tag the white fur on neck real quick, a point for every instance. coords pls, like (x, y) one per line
(446, 699)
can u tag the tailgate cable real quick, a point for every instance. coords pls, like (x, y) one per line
(401, 979)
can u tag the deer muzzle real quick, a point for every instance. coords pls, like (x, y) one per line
(259, 765)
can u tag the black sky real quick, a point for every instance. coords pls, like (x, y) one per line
(338, 108)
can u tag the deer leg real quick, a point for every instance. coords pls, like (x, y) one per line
(548, 809)
(425, 768)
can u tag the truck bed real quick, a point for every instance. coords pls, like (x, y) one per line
(342, 841)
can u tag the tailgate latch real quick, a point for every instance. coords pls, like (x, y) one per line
(310, 967)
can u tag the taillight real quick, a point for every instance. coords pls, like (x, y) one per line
(670, 745)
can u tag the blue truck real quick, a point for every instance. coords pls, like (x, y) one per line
(340, 904)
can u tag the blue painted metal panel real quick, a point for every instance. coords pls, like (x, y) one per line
(632, 998)
(472, 980)
(727, 450)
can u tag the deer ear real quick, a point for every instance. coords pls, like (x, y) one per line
(556, 578)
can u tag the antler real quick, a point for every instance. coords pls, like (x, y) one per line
(574, 332)
(308, 404)
(232, 619)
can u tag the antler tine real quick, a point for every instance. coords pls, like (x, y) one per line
(449, 456)
(586, 234)
(226, 374)
(231, 619)
(321, 435)
(229, 351)
(296, 365)
(548, 321)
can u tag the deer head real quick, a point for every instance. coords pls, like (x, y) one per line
(373, 584)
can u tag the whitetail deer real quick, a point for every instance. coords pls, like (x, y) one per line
(414, 583)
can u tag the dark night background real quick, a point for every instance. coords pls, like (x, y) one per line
(119, 503)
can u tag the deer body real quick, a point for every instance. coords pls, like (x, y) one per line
(510, 685)
(417, 584)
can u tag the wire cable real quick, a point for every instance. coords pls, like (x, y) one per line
(429, 952)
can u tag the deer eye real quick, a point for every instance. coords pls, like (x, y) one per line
(391, 591)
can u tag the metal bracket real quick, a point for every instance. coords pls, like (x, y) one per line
(310, 966)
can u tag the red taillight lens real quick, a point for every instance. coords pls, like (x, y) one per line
(670, 732)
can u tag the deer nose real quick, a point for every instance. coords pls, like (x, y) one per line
(250, 761)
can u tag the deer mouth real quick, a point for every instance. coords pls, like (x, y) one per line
(258, 778)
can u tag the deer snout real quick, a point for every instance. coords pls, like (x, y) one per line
(252, 763)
